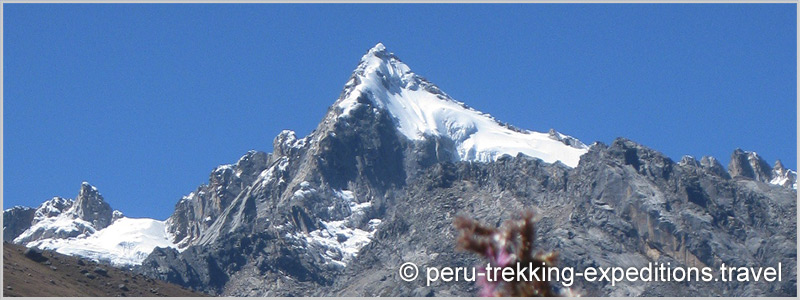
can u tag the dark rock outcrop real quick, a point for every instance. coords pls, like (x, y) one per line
(34, 254)
(15, 221)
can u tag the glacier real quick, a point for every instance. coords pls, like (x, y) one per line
(126, 242)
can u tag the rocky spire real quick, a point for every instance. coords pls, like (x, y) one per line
(750, 165)
(713, 166)
(778, 166)
(91, 207)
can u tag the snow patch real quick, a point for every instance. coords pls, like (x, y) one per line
(305, 190)
(89, 185)
(278, 167)
(288, 139)
(222, 168)
(342, 239)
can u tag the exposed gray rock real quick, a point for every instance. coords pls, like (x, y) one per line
(713, 166)
(749, 165)
(688, 160)
(778, 166)
(15, 221)
(624, 205)
(91, 207)
(195, 213)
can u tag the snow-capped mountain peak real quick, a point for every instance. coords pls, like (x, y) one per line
(421, 110)
(88, 227)
(379, 47)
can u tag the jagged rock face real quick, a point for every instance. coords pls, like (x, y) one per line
(750, 165)
(624, 205)
(91, 207)
(337, 212)
(15, 221)
(713, 166)
(197, 211)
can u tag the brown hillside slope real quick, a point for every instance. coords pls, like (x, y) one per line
(58, 275)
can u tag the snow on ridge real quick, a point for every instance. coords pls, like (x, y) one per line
(52, 208)
(86, 183)
(289, 139)
(784, 177)
(420, 109)
(15, 207)
(126, 242)
(222, 168)
(59, 226)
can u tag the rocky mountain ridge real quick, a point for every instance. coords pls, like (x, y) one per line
(395, 159)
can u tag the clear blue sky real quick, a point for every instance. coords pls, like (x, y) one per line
(143, 101)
